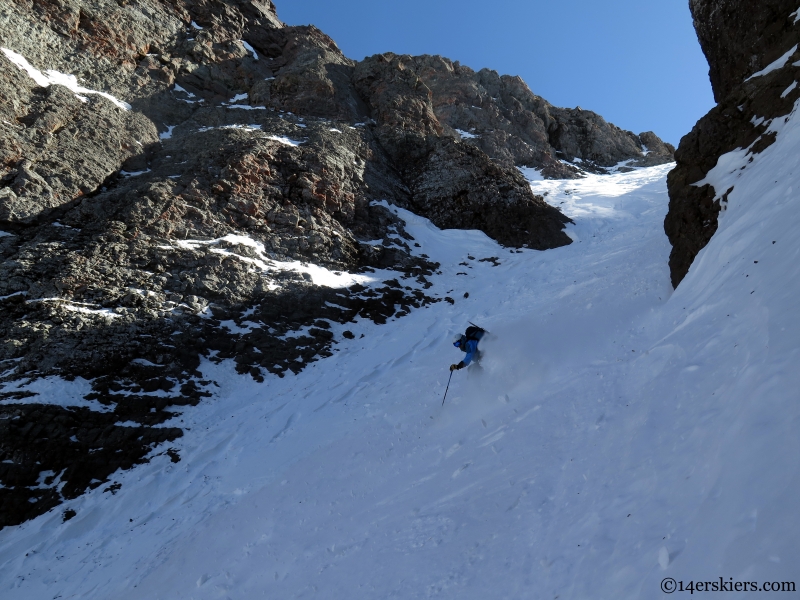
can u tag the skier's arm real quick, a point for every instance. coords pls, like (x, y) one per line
(472, 346)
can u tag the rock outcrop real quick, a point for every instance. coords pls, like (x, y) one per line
(192, 180)
(499, 115)
(741, 37)
(742, 41)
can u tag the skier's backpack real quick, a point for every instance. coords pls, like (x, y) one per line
(474, 333)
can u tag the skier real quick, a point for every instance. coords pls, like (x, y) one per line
(468, 342)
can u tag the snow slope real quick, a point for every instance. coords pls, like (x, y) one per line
(617, 433)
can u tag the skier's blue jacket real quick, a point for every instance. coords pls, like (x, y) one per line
(469, 344)
(471, 348)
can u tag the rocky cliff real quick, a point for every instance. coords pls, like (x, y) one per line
(752, 51)
(187, 180)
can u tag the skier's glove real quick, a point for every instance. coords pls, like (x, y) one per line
(460, 365)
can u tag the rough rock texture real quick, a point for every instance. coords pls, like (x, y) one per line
(740, 38)
(461, 188)
(498, 114)
(170, 171)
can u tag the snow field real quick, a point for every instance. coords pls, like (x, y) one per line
(617, 432)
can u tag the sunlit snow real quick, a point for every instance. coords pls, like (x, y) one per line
(54, 391)
(133, 173)
(181, 90)
(73, 306)
(250, 49)
(284, 140)
(178, 88)
(319, 275)
(531, 173)
(51, 77)
(775, 65)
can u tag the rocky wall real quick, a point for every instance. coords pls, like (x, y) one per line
(740, 38)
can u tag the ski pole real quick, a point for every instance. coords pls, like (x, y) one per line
(448, 387)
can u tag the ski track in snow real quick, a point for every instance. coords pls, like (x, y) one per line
(617, 433)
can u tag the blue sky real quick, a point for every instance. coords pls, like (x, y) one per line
(636, 62)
